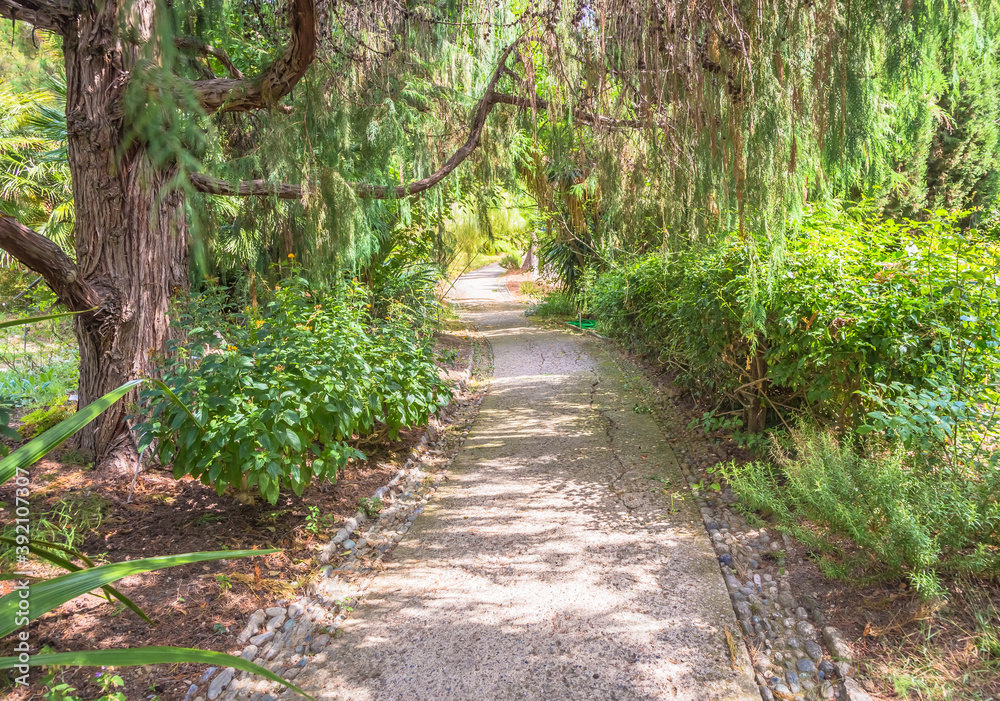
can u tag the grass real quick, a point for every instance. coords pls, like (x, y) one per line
(949, 656)
(559, 303)
(67, 522)
(531, 289)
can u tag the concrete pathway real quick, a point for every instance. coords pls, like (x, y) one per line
(552, 564)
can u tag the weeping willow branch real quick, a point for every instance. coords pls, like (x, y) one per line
(264, 91)
(291, 191)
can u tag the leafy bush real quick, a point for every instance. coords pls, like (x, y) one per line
(42, 420)
(559, 303)
(281, 399)
(85, 578)
(510, 261)
(904, 518)
(854, 312)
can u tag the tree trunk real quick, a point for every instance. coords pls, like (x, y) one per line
(131, 239)
(756, 410)
(131, 242)
(529, 258)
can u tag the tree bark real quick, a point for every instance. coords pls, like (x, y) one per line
(131, 239)
(131, 242)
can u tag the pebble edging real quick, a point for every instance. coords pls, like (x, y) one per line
(283, 638)
(795, 653)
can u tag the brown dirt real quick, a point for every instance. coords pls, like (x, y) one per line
(198, 605)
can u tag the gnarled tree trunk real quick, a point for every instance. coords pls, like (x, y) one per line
(131, 240)
(131, 244)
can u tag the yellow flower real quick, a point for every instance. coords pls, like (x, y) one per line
(291, 256)
(232, 348)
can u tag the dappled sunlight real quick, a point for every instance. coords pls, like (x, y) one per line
(547, 566)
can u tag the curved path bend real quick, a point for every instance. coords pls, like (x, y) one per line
(552, 564)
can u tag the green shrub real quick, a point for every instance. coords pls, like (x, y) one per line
(510, 261)
(282, 399)
(531, 289)
(49, 594)
(42, 420)
(854, 312)
(559, 303)
(874, 511)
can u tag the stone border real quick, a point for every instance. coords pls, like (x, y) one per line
(284, 637)
(795, 654)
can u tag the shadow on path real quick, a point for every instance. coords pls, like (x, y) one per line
(550, 565)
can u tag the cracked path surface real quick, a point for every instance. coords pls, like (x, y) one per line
(553, 563)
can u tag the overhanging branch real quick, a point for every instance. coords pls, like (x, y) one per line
(491, 98)
(263, 91)
(42, 255)
(245, 188)
(53, 15)
(189, 43)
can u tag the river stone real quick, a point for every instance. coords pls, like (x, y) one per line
(215, 688)
(854, 692)
(839, 648)
(259, 640)
(786, 599)
(793, 681)
(806, 666)
(253, 623)
(320, 642)
(805, 629)
(249, 652)
(275, 611)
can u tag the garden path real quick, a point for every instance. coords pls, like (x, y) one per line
(552, 564)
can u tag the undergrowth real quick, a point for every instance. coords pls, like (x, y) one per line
(872, 512)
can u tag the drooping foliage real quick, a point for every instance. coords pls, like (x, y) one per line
(631, 123)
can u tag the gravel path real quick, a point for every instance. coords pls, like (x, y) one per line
(551, 563)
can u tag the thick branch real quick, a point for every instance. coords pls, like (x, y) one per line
(53, 15)
(382, 192)
(263, 91)
(262, 188)
(289, 191)
(46, 258)
(195, 44)
(245, 188)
